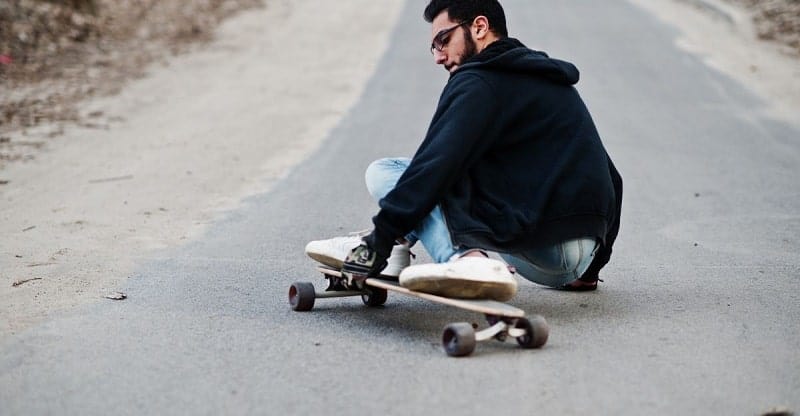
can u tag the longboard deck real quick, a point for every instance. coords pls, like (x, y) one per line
(489, 307)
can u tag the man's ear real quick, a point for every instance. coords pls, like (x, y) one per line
(480, 27)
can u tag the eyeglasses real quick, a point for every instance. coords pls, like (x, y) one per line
(441, 39)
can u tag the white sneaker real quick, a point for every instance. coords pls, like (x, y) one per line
(332, 253)
(465, 277)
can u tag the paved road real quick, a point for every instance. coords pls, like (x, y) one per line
(698, 314)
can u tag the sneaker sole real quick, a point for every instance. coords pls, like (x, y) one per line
(337, 264)
(327, 260)
(462, 288)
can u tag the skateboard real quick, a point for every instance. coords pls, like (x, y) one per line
(458, 339)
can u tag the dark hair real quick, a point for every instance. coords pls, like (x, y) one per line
(461, 10)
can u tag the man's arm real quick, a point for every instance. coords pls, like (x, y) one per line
(452, 143)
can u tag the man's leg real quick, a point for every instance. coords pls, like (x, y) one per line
(464, 277)
(555, 266)
(333, 251)
(381, 177)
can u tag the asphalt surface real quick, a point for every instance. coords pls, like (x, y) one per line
(698, 313)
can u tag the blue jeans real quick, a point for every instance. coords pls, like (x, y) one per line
(551, 266)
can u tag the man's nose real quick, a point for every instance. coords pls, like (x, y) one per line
(439, 57)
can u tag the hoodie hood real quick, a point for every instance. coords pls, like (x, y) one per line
(509, 54)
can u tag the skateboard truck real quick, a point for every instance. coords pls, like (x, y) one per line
(352, 280)
(351, 277)
(499, 329)
(303, 294)
(459, 338)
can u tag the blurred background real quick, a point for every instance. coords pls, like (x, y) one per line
(54, 53)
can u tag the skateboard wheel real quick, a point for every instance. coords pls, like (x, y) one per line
(301, 296)
(536, 331)
(374, 296)
(458, 339)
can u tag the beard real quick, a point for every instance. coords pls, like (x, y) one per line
(470, 50)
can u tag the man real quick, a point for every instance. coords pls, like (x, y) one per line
(511, 163)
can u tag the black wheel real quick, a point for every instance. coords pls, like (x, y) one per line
(301, 296)
(458, 339)
(536, 331)
(374, 296)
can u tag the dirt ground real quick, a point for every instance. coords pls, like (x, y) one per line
(148, 168)
(775, 20)
(53, 55)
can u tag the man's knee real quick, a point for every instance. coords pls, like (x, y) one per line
(381, 175)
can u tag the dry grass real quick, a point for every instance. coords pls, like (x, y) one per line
(55, 53)
(776, 20)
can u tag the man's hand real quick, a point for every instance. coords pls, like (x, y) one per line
(368, 259)
(363, 261)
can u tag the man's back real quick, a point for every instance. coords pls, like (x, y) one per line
(527, 167)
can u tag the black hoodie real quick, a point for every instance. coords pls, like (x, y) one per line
(513, 158)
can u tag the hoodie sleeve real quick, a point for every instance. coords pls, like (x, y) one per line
(452, 143)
